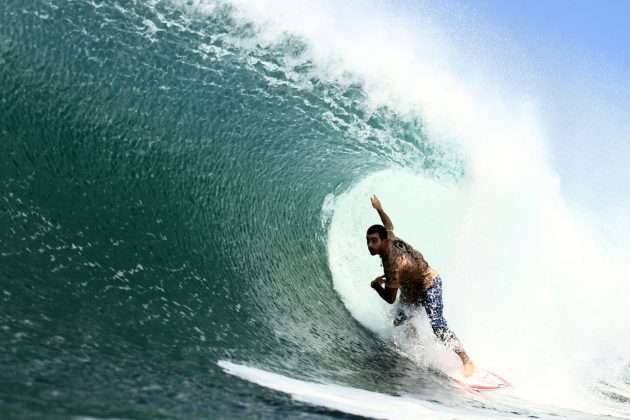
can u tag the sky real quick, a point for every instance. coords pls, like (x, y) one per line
(601, 27)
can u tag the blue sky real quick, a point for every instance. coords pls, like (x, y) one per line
(599, 27)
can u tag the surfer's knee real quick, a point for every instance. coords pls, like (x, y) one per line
(444, 334)
(449, 338)
(440, 332)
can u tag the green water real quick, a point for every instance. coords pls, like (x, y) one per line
(161, 191)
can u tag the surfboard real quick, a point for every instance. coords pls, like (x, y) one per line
(360, 402)
(481, 380)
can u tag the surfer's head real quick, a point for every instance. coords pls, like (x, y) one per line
(376, 239)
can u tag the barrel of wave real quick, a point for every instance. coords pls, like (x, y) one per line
(425, 213)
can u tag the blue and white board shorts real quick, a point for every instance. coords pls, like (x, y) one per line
(431, 299)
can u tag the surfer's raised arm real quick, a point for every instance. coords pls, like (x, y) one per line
(376, 203)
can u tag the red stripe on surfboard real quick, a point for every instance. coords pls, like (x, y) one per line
(504, 381)
(482, 387)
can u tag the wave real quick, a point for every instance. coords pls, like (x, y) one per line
(188, 182)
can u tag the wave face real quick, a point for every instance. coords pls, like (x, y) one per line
(170, 179)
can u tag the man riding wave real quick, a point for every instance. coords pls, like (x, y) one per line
(420, 285)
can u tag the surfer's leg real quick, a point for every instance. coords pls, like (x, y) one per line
(432, 302)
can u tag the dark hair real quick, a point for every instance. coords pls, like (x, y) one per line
(380, 229)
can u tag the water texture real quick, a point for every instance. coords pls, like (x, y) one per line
(165, 184)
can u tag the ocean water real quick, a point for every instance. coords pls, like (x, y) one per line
(184, 192)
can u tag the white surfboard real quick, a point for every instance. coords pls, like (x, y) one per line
(357, 401)
(481, 380)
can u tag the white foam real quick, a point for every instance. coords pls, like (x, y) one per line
(525, 283)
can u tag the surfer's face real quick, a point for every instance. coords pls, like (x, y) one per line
(375, 244)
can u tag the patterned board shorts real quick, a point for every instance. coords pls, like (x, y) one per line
(432, 301)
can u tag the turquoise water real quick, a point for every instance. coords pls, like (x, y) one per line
(163, 179)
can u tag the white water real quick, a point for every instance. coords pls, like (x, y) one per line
(517, 275)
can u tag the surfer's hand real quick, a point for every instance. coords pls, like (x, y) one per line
(377, 282)
(376, 203)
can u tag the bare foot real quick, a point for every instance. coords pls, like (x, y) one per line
(469, 369)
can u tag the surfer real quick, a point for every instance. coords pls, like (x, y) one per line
(420, 285)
